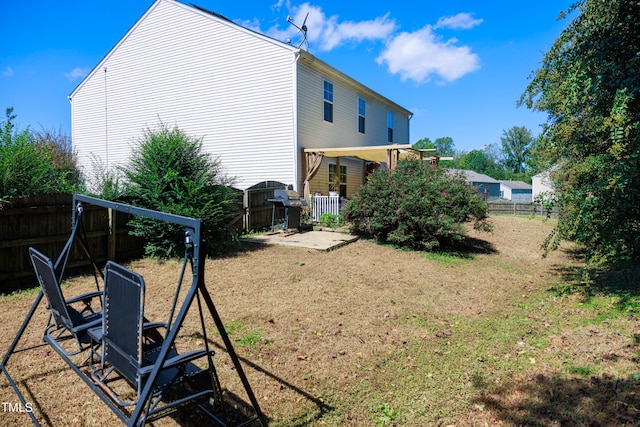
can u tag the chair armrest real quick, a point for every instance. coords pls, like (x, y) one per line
(153, 335)
(153, 325)
(176, 360)
(96, 334)
(181, 359)
(84, 297)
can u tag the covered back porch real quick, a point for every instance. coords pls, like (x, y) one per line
(333, 175)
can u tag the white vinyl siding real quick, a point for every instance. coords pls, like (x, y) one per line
(254, 101)
(343, 133)
(211, 78)
(313, 132)
(327, 95)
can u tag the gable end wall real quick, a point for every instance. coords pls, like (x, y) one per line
(212, 79)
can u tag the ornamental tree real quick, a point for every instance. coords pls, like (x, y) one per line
(418, 205)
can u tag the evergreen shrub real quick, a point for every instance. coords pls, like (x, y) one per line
(168, 172)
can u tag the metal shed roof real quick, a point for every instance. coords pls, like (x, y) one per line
(516, 185)
(473, 176)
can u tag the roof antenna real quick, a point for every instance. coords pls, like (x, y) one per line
(302, 29)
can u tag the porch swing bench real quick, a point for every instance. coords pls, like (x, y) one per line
(117, 344)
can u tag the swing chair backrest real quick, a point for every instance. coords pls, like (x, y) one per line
(46, 276)
(123, 320)
(63, 314)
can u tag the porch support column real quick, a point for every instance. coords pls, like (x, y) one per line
(338, 175)
(392, 158)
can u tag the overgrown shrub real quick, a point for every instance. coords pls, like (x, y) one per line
(35, 163)
(418, 206)
(169, 172)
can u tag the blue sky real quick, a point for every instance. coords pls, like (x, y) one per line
(459, 66)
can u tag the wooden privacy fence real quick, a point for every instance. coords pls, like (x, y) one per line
(515, 208)
(257, 208)
(44, 222)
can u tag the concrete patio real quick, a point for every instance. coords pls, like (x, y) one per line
(319, 240)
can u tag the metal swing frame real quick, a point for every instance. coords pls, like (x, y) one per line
(197, 290)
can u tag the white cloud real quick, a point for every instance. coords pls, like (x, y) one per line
(326, 33)
(8, 72)
(252, 24)
(461, 21)
(280, 3)
(77, 73)
(422, 54)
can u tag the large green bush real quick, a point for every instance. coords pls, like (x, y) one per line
(418, 205)
(588, 85)
(35, 163)
(169, 172)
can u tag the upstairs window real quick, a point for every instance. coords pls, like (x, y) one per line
(328, 101)
(389, 126)
(361, 114)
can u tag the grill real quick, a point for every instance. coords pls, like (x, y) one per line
(287, 198)
(292, 204)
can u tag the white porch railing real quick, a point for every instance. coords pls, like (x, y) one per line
(322, 204)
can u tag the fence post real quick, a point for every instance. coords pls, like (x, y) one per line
(111, 238)
(247, 212)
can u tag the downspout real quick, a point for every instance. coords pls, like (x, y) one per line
(409, 131)
(71, 107)
(296, 146)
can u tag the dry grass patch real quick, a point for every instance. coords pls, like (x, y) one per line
(373, 335)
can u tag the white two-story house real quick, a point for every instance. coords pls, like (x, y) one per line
(257, 103)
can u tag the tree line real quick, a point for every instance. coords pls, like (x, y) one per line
(517, 157)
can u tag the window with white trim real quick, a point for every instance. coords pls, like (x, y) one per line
(361, 114)
(335, 184)
(328, 101)
(389, 126)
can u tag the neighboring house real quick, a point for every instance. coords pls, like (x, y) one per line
(256, 102)
(486, 186)
(542, 183)
(516, 191)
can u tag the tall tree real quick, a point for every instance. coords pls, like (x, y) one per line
(423, 143)
(589, 86)
(475, 160)
(516, 145)
(444, 145)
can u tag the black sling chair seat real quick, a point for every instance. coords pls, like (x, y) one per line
(65, 322)
(125, 356)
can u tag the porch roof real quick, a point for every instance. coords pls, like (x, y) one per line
(373, 153)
